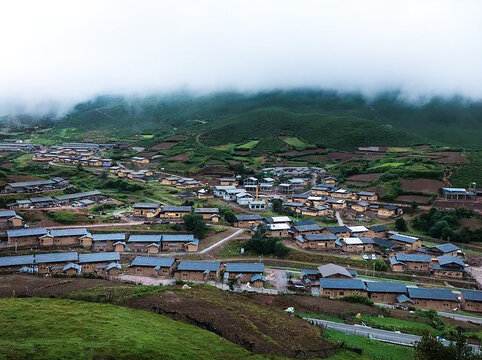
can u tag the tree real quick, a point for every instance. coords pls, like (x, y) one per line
(430, 348)
(400, 224)
(263, 245)
(228, 215)
(414, 206)
(196, 224)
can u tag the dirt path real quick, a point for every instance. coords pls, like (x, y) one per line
(339, 219)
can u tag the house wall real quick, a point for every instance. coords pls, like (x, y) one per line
(475, 306)
(417, 266)
(358, 208)
(143, 270)
(397, 268)
(174, 215)
(88, 268)
(385, 212)
(448, 273)
(244, 279)
(385, 298)
(46, 241)
(66, 240)
(435, 304)
(15, 222)
(172, 246)
(196, 275)
(339, 293)
(258, 284)
(23, 241)
(247, 224)
(277, 233)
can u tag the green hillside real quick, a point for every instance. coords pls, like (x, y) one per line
(64, 329)
(341, 120)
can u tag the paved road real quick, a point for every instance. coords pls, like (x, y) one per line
(339, 219)
(460, 317)
(222, 241)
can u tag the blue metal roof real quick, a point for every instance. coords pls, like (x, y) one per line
(69, 232)
(109, 237)
(378, 228)
(153, 261)
(402, 298)
(248, 217)
(351, 284)
(447, 260)
(308, 272)
(413, 258)
(446, 248)
(56, 257)
(99, 257)
(178, 237)
(258, 277)
(16, 260)
(471, 295)
(337, 229)
(320, 237)
(403, 238)
(176, 208)
(245, 267)
(26, 232)
(7, 213)
(385, 287)
(303, 222)
(145, 238)
(431, 294)
(309, 227)
(198, 266)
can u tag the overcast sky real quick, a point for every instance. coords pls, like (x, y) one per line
(68, 51)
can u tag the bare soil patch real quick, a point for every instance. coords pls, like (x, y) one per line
(364, 177)
(374, 157)
(301, 152)
(21, 178)
(180, 157)
(427, 186)
(378, 189)
(411, 198)
(356, 183)
(342, 156)
(164, 145)
(449, 157)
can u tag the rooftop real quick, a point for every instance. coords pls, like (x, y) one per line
(386, 287)
(99, 257)
(333, 269)
(431, 294)
(198, 266)
(245, 267)
(153, 261)
(351, 284)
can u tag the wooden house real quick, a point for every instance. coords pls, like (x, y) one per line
(197, 271)
(152, 266)
(436, 299)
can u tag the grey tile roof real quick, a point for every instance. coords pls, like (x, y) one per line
(245, 267)
(32, 183)
(471, 295)
(304, 222)
(328, 270)
(305, 272)
(310, 227)
(145, 238)
(78, 195)
(248, 217)
(403, 238)
(56, 257)
(337, 229)
(402, 298)
(146, 205)
(68, 232)
(385, 287)
(320, 237)
(431, 294)
(377, 228)
(99, 257)
(7, 213)
(109, 237)
(41, 199)
(349, 284)
(177, 208)
(16, 260)
(26, 232)
(206, 210)
(153, 261)
(447, 260)
(413, 258)
(178, 238)
(446, 248)
(198, 266)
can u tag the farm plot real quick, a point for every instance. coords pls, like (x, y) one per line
(425, 186)
(411, 198)
(342, 156)
(164, 145)
(366, 178)
(449, 157)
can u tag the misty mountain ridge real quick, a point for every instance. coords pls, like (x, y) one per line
(325, 118)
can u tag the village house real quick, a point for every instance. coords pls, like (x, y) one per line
(367, 196)
(250, 181)
(42, 202)
(179, 242)
(10, 219)
(104, 263)
(139, 160)
(285, 188)
(54, 263)
(307, 211)
(309, 276)
(321, 190)
(197, 271)
(378, 231)
(188, 184)
(316, 242)
(278, 230)
(359, 231)
(244, 198)
(10, 264)
(25, 237)
(208, 214)
(278, 220)
(35, 186)
(247, 221)
(409, 242)
(94, 195)
(337, 203)
(170, 181)
(437, 299)
(317, 200)
(448, 266)
(220, 190)
(356, 245)
(341, 194)
(387, 247)
(360, 207)
(333, 271)
(175, 212)
(148, 210)
(389, 211)
(385, 292)
(204, 194)
(329, 180)
(245, 272)
(65, 237)
(257, 205)
(339, 288)
(228, 182)
(458, 193)
(293, 206)
(410, 262)
(339, 231)
(144, 243)
(471, 300)
(306, 229)
(152, 266)
(20, 204)
(444, 249)
(108, 242)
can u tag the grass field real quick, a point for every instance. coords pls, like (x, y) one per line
(372, 349)
(296, 142)
(249, 145)
(64, 329)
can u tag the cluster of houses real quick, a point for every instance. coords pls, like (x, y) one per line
(119, 242)
(141, 175)
(181, 182)
(335, 281)
(10, 219)
(55, 183)
(18, 146)
(171, 212)
(84, 154)
(82, 199)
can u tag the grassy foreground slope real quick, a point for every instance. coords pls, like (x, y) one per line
(64, 329)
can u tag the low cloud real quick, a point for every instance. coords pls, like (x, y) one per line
(56, 53)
